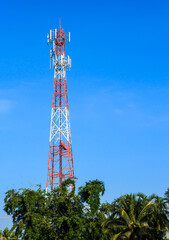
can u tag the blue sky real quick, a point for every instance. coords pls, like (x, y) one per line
(118, 91)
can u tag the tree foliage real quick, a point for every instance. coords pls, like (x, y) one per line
(65, 214)
(137, 217)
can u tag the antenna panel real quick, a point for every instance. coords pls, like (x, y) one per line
(69, 37)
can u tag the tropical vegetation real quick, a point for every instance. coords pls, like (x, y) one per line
(65, 213)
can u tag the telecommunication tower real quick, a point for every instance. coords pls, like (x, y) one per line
(60, 158)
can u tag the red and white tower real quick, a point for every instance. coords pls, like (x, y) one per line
(60, 158)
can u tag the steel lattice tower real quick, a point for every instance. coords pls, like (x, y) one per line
(60, 158)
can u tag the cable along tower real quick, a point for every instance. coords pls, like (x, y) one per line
(60, 157)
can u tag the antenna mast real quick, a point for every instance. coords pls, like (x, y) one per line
(60, 157)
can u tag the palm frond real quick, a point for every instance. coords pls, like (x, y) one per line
(125, 216)
(116, 236)
(145, 210)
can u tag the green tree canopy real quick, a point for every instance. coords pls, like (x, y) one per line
(59, 214)
(136, 217)
(63, 214)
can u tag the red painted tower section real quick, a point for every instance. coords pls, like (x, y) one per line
(60, 157)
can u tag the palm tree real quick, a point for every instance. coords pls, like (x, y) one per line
(159, 219)
(129, 216)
